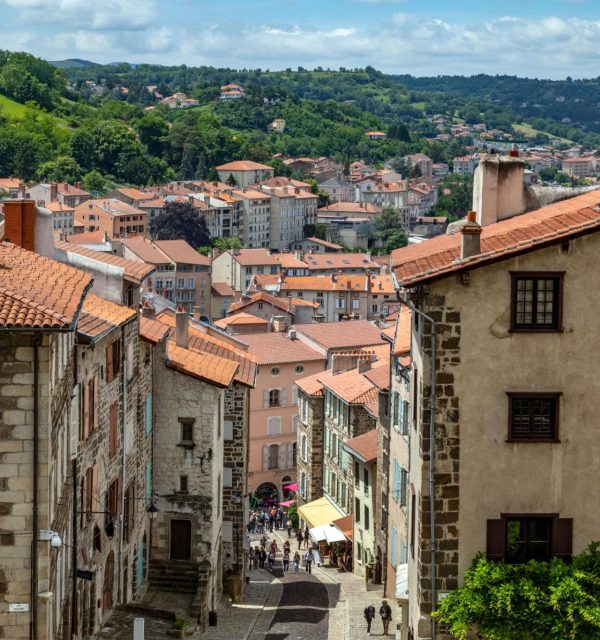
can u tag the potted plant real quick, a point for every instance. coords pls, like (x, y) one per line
(179, 627)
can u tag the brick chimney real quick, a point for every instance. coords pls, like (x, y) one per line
(148, 310)
(181, 329)
(53, 192)
(470, 237)
(19, 223)
(279, 324)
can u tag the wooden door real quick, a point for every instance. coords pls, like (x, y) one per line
(181, 539)
(107, 587)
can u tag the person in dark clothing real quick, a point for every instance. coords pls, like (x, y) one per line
(308, 558)
(306, 536)
(299, 538)
(386, 616)
(369, 617)
(262, 556)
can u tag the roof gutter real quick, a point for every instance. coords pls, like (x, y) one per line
(432, 407)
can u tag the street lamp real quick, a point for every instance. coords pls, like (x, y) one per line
(152, 511)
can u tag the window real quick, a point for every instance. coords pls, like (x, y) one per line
(357, 510)
(518, 538)
(294, 454)
(275, 371)
(187, 430)
(183, 484)
(299, 368)
(113, 360)
(274, 398)
(366, 481)
(536, 301)
(303, 447)
(248, 270)
(367, 518)
(274, 456)
(228, 429)
(533, 417)
(413, 517)
(415, 391)
(356, 474)
(356, 304)
(190, 283)
(227, 477)
(180, 283)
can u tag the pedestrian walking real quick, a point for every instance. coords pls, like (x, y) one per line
(271, 559)
(251, 555)
(296, 561)
(286, 560)
(299, 538)
(288, 526)
(308, 558)
(256, 555)
(262, 556)
(369, 616)
(386, 616)
(306, 536)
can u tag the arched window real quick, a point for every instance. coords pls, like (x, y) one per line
(274, 456)
(274, 398)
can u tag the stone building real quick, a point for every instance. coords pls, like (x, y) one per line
(496, 378)
(113, 463)
(216, 375)
(40, 301)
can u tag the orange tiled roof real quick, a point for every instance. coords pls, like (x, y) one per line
(182, 251)
(99, 316)
(223, 289)
(133, 194)
(132, 270)
(311, 385)
(437, 257)
(342, 335)
(403, 328)
(152, 330)
(363, 447)
(66, 189)
(343, 282)
(334, 260)
(203, 342)
(243, 165)
(379, 376)
(240, 319)
(38, 292)
(145, 250)
(279, 303)
(277, 348)
(254, 257)
(208, 367)
(87, 237)
(289, 261)
(351, 207)
(324, 243)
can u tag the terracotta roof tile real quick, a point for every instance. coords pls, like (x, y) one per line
(379, 376)
(132, 270)
(277, 348)
(240, 319)
(351, 386)
(324, 243)
(331, 260)
(437, 257)
(243, 165)
(88, 237)
(223, 289)
(38, 292)
(343, 282)
(254, 257)
(208, 367)
(99, 315)
(311, 385)
(182, 251)
(262, 296)
(342, 335)
(363, 447)
(152, 330)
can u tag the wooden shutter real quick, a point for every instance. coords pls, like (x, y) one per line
(294, 395)
(95, 500)
(290, 456)
(85, 410)
(282, 457)
(265, 399)
(496, 539)
(96, 408)
(562, 538)
(283, 397)
(109, 363)
(265, 458)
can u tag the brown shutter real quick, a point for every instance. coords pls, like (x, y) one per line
(496, 539)
(562, 538)
(96, 407)
(95, 500)
(85, 414)
(112, 439)
(109, 363)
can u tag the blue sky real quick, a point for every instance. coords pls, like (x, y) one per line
(535, 38)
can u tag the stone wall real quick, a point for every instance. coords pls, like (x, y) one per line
(380, 515)
(313, 466)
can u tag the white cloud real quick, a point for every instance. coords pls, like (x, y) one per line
(121, 15)
(406, 43)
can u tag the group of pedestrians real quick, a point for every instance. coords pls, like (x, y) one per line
(385, 611)
(264, 520)
(264, 556)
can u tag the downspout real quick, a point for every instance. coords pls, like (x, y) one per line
(34, 541)
(432, 406)
(74, 497)
(123, 455)
(387, 472)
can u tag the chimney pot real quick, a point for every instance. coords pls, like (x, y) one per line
(181, 329)
(470, 237)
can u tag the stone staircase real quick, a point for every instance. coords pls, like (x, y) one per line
(178, 576)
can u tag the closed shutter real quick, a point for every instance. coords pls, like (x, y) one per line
(265, 464)
(265, 399)
(109, 363)
(228, 430)
(96, 408)
(562, 538)
(112, 437)
(227, 477)
(344, 460)
(399, 413)
(496, 539)
(282, 457)
(95, 500)
(294, 395)
(283, 394)
(290, 456)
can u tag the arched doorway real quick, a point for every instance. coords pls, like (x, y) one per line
(267, 494)
(108, 584)
(286, 493)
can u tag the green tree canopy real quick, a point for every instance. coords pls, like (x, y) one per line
(61, 169)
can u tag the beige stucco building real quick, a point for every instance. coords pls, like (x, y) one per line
(509, 313)
(244, 172)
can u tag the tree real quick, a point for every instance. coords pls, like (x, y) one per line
(226, 244)
(62, 169)
(231, 181)
(180, 221)
(389, 229)
(96, 183)
(82, 147)
(534, 601)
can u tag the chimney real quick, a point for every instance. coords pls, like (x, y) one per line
(299, 255)
(279, 324)
(215, 253)
(207, 200)
(292, 335)
(181, 329)
(363, 365)
(470, 237)
(53, 192)
(19, 223)
(333, 277)
(148, 310)
(197, 314)
(78, 185)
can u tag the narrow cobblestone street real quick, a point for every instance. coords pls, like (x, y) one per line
(323, 605)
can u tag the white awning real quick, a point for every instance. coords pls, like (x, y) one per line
(333, 534)
(318, 533)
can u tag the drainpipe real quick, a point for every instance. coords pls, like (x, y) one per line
(404, 300)
(123, 455)
(34, 541)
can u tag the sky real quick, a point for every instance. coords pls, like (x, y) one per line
(528, 38)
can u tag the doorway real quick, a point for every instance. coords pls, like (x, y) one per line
(181, 540)
(108, 583)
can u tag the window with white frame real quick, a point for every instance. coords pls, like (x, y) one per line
(274, 426)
